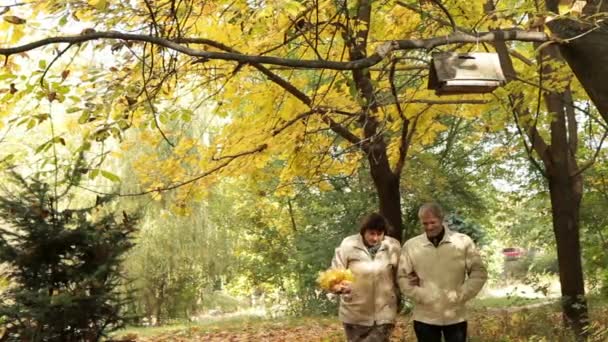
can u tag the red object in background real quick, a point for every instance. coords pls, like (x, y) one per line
(513, 252)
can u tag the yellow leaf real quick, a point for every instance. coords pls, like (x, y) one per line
(331, 277)
(99, 4)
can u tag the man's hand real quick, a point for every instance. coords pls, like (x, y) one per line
(413, 279)
(454, 297)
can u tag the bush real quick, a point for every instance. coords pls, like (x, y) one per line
(220, 301)
(63, 266)
(544, 264)
(532, 264)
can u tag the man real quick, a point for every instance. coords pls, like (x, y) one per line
(440, 270)
(368, 305)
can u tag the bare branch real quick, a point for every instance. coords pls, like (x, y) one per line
(438, 102)
(418, 10)
(337, 128)
(240, 154)
(228, 160)
(407, 133)
(521, 57)
(306, 114)
(571, 120)
(46, 70)
(391, 78)
(447, 13)
(16, 4)
(531, 131)
(343, 132)
(356, 64)
(481, 37)
(291, 215)
(592, 161)
(404, 68)
(155, 116)
(536, 140)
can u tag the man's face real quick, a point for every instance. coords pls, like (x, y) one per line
(373, 237)
(431, 224)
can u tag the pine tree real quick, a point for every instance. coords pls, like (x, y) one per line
(63, 265)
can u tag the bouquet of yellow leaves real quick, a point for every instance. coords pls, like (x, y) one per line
(328, 279)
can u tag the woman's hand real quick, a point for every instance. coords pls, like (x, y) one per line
(342, 287)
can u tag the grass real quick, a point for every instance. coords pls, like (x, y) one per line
(506, 302)
(486, 323)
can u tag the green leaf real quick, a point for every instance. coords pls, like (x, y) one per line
(7, 159)
(85, 146)
(60, 140)
(94, 173)
(84, 117)
(62, 89)
(42, 117)
(63, 20)
(43, 147)
(110, 176)
(7, 77)
(186, 115)
(31, 124)
(73, 110)
(123, 124)
(42, 64)
(163, 118)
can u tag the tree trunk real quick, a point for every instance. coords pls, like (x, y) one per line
(387, 188)
(565, 186)
(160, 300)
(385, 180)
(565, 205)
(566, 191)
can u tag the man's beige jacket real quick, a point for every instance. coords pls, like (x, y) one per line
(374, 295)
(450, 274)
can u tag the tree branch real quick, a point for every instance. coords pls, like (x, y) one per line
(447, 13)
(592, 161)
(357, 64)
(337, 128)
(407, 132)
(344, 132)
(537, 142)
(438, 102)
(391, 78)
(571, 121)
(514, 110)
(228, 160)
(306, 114)
(46, 70)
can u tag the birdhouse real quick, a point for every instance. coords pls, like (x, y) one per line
(465, 73)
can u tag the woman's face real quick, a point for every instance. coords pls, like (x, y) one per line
(373, 237)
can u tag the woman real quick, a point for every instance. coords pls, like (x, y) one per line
(368, 305)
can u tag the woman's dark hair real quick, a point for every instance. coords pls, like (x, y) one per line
(373, 221)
